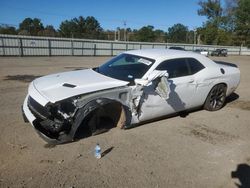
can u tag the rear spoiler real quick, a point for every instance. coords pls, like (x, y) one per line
(226, 63)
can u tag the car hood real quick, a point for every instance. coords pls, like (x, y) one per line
(56, 87)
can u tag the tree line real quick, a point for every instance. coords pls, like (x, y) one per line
(226, 25)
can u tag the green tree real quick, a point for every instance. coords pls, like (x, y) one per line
(229, 14)
(160, 35)
(190, 37)
(68, 28)
(146, 34)
(93, 28)
(224, 37)
(8, 30)
(218, 28)
(49, 31)
(243, 22)
(30, 26)
(209, 34)
(132, 35)
(212, 10)
(212, 35)
(177, 33)
(81, 28)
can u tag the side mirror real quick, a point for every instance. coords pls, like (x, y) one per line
(157, 74)
(152, 76)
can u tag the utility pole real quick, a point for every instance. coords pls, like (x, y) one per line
(194, 39)
(119, 35)
(124, 23)
(194, 36)
(118, 32)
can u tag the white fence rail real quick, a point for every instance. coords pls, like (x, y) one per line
(15, 45)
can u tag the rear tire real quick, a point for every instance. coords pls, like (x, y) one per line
(216, 98)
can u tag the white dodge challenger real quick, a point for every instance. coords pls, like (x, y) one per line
(133, 87)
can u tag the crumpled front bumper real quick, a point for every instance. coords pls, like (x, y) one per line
(29, 117)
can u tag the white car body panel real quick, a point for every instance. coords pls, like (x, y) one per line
(181, 96)
(27, 112)
(32, 91)
(142, 100)
(85, 81)
(160, 56)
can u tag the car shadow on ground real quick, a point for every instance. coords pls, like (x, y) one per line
(22, 78)
(231, 98)
(85, 131)
(242, 173)
(75, 68)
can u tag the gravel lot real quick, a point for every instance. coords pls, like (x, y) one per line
(200, 150)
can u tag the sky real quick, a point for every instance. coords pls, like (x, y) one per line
(111, 14)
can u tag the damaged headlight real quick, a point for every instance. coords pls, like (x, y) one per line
(60, 119)
(63, 110)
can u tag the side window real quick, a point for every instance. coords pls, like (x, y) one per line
(194, 65)
(175, 67)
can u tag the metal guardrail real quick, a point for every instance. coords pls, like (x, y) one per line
(15, 45)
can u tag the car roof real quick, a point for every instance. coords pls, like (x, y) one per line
(159, 54)
(165, 54)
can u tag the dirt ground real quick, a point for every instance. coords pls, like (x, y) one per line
(204, 149)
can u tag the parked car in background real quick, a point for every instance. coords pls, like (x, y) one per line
(202, 51)
(176, 48)
(219, 52)
(131, 88)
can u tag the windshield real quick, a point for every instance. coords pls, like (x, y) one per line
(126, 67)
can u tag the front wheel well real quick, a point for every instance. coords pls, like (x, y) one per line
(105, 116)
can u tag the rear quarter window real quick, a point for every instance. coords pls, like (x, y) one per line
(175, 67)
(181, 67)
(194, 65)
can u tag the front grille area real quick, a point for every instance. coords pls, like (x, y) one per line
(37, 109)
(45, 122)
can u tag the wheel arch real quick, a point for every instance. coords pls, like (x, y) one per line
(224, 83)
(219, 83)
(92, 106)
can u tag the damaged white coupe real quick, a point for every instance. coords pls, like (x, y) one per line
(133, 87)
